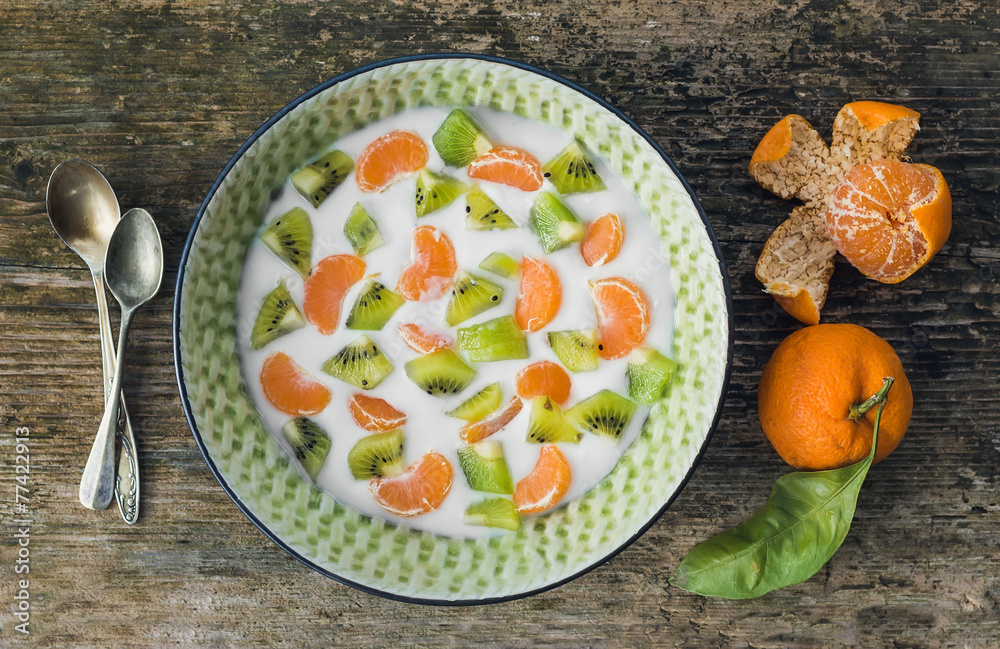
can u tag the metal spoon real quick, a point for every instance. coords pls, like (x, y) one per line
(84, 211)
(134, 267)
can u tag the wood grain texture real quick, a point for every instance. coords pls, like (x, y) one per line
(160, 94)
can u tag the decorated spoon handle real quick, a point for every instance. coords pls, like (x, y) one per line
(98, 484)
(127, 480)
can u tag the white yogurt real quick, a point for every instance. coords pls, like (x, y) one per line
(428, 428)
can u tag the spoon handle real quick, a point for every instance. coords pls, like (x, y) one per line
(127, 482)
(98, 483)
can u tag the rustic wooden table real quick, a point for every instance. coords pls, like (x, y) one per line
(160, 94)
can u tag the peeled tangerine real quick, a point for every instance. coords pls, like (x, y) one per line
(887, 217)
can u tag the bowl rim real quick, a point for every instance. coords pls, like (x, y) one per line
(179, 370)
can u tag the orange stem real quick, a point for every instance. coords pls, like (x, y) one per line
(858, 410)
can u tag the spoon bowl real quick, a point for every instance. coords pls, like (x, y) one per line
(134, 263)
(83, 209)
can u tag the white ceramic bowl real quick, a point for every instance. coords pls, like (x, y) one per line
(372, 554)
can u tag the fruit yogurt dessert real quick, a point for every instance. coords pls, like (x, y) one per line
(455, 320)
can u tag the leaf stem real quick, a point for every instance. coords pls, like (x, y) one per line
(884, 391)
(858, 410)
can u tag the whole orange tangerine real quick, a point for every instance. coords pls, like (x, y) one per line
(808, 389)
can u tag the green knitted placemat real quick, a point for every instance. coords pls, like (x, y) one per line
(395, 559)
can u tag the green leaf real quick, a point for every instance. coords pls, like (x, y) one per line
(786, 542)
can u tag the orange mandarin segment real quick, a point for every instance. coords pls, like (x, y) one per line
(547, 483)
(374, 414)
(480, 430)
(422, 340)
(540, 297)
(888, 218)
(432, 266)
(623, 316)
(603, 240)
(508, 165)
(389, 158)
(326, 287)
(543, 379)
(418, 490)
(291, 389)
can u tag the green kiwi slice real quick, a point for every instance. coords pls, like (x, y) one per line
(373, 307)
(481, 213)
(470, 296)
(485, 467)
(316, 181)
(361, 363)
(501, 264)
(377, 456)
(278, 315)
(436, 190)
(441, 373)
(605, 414)
(499, 339)
(556, 225)
(648, 373)
(310, 443)
(572, 172)
(460, 140)
(290, 238)
(480, 404)
(362, 231)
(546, 424)
(577, 350)
(493, 512)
